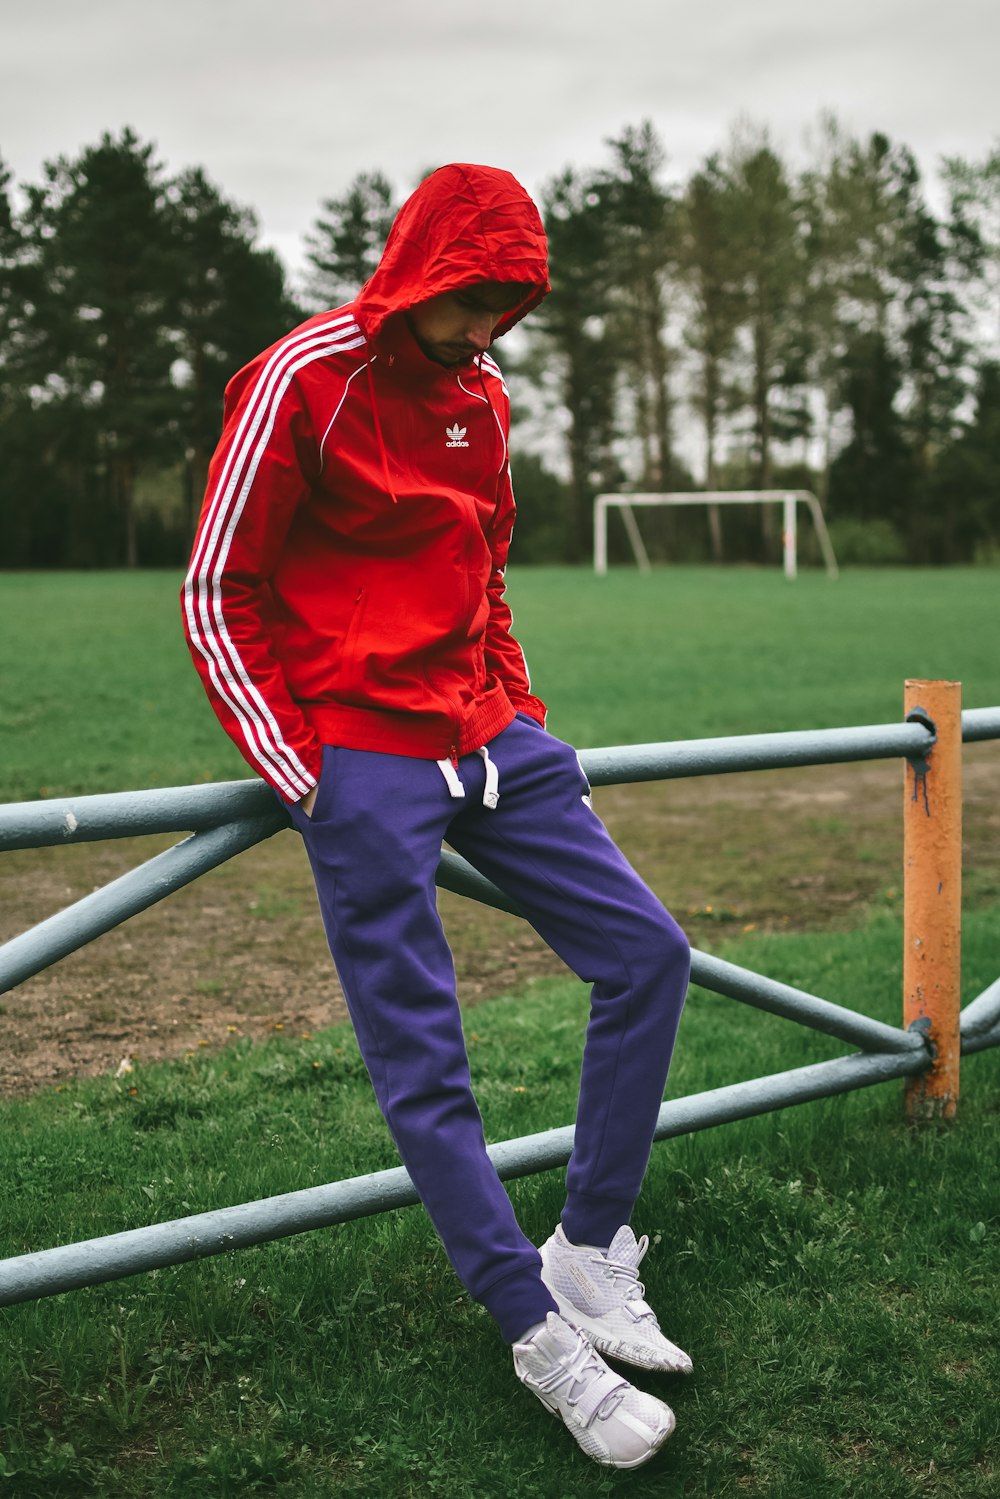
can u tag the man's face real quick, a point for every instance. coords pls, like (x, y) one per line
(456, 326)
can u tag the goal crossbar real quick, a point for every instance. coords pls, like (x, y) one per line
(789, 499)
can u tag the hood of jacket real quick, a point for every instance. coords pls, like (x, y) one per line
(463, 224)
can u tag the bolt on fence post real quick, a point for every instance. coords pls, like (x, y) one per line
(932, 896)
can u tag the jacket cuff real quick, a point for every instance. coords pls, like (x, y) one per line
(313, 763)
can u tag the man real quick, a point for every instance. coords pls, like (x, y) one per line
(345, 608)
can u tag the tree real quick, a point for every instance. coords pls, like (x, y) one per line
(345, 245)
(642, 229)
(710, 267)
(772, 278)
(17, 498)
(966, 487)
(16, 288)
(227, 301)
(974, 190)
(10, 256)
(833, 204)
(857, 204)
(936, 351)
(874, 478)
(574, 320)
(100, 352)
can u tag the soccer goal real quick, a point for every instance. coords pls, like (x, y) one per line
(788, 499)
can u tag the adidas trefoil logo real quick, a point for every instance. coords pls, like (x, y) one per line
(456, 437)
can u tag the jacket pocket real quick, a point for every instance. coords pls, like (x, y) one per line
(323, 789)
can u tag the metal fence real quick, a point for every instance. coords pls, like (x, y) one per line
(227, 818)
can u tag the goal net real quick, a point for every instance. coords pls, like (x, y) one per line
(788, 499)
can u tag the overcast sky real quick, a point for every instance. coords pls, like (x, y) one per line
(283, 102)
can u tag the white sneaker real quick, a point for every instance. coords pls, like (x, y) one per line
(615, 1424)
(601, 1293)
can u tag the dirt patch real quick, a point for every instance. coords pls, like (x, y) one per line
(241, 952)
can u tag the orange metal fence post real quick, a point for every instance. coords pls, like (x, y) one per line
(932, 897)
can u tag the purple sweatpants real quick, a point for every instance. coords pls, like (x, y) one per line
(374, 840)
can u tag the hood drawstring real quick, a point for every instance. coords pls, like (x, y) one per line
(486, 397)
(491, 791)
(378, 432)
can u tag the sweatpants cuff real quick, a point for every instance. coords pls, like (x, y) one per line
(517, 1302)
(594, 1220)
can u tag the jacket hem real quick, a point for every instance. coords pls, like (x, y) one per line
(409, 733)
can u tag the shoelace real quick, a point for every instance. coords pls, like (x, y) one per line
(579, 1369)
(634, 1294)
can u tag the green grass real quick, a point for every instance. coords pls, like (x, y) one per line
(100, 695)
(685, 652)
(836, 1277)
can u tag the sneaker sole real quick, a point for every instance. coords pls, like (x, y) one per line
(628, 1353)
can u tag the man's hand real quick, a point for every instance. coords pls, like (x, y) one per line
(308, 800)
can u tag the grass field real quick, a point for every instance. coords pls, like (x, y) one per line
(100, 694)
(835, 1277)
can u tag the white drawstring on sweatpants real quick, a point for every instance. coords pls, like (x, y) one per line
(491, 791)
(455, 787)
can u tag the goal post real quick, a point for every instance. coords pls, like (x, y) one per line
(788, 499)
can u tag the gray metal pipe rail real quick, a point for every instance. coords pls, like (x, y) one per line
(47, 1272)
(623, 763)
(983, 1014)
(188, 809)
(232, 816)
(227, 818)
(130, 814)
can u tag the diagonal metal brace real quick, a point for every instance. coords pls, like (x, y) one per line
(97, 913)
(455, 874)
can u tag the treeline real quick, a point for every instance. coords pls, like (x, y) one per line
(127, 299)
(829, 327)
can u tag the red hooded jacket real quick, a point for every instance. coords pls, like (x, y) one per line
(346, 584)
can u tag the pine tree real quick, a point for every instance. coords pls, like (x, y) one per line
(642, 225)
(966, 485)
(346, 242)
(771, 283)
(575, 322)
(974, 191)
(873, 479)
(18, 500)
(100, 354)
(710, 265)
(227, 301)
